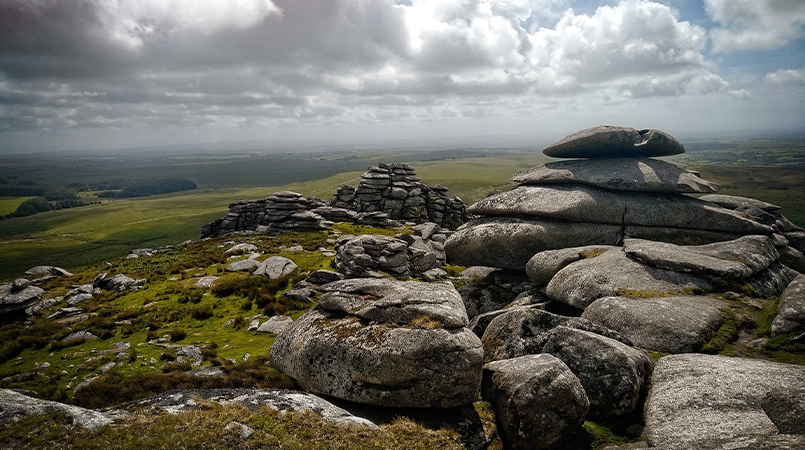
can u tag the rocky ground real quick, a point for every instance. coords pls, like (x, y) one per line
(596, 303)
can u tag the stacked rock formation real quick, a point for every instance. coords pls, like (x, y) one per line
(614, 196)
(280, 211)
(387, 194)
(395, 190)
(612, 237)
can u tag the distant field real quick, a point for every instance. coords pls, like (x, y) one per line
(9, 204)
(80, 236)
(85, 235)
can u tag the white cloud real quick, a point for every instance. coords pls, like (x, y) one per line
(755, 24)
(786, 77)
(194, 62)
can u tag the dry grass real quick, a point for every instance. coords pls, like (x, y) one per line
(203, 428)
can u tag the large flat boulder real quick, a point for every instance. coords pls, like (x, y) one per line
(614, 274)
(413, 352)
(538, 402)
(619, 174)
(739, 258)
(717, 402)
(581, 203)
(509, 243)
(663, 324)
(390, 301)
(792, 309)
(615, 376)
(611, 141)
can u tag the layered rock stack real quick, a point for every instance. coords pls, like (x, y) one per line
(280, 211)
(395, 190)
(388, 194)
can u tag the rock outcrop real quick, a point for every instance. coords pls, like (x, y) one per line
(384, 342)
(395, 190)
(387, 195)
(616, 194)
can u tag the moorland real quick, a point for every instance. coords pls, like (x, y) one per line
(171, 311)
(772, 170)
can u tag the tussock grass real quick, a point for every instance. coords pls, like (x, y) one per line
(204, 428)
(114, 387)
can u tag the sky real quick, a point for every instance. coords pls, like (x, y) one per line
(107, 74)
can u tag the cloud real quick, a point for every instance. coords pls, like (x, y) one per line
(148, 63)
(786, 77)
(755, 24)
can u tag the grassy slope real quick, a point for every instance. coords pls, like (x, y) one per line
(76, 237)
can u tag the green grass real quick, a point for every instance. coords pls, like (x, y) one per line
(9, 204)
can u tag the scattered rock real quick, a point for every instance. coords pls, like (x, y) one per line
(119, 282)
(244, 265)
(792, 309)
(275, 324)
(538, 402)
(717, 402)
(76, 336)
(323, 276)
(206, 282)
(240, 249)
(206, 372)
(48, 270)
(275, 267)
(244, 431)
(19, 295)
(662, 324)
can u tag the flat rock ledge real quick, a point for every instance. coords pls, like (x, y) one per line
(620, 174)
(718, 402)
(281, 400)
(16, 406)
(663, 324)
(386, 343)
